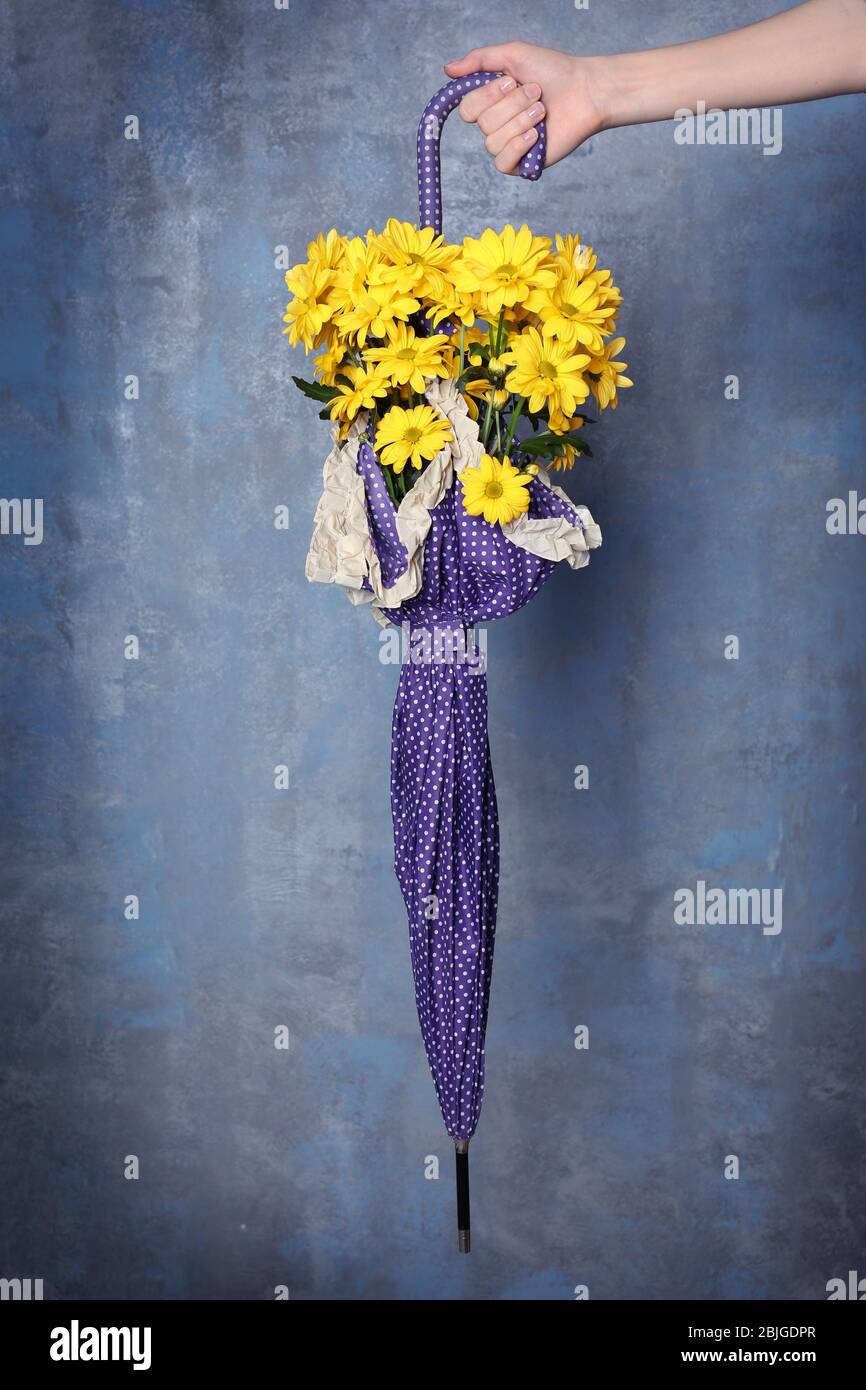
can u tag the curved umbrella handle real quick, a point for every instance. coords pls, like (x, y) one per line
(429, 133)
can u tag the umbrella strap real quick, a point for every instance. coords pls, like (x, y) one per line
(429, 135)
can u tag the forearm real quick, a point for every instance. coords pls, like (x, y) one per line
(815, 50)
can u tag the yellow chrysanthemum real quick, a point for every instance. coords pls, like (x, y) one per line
(365, 388)
(503, 268)
(410, 436)
(327, 251)
(416, 260)
(309, 310)
(560, 424)
(330, 359)
(570, 255)
(493, 384)
(546, 372)
(407, 359)
(563, 424)
(607, 375)
(363, 303)
(351, 277)
(480, 390)
(576, 311)
(474, 336)
(451, 303)
(497, 491)
(376, 310)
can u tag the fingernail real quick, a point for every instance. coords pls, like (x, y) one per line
(506, 84)
(534, 112)
(530, 134)
(531, 91)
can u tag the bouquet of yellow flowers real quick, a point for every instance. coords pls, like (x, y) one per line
(524, 331)
(455, 378)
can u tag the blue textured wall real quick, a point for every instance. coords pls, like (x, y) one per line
(154, 777)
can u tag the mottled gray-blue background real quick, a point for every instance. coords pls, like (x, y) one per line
(259, 907)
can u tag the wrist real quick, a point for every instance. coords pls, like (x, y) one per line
(611, 82)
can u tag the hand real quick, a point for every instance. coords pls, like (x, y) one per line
(560, 86)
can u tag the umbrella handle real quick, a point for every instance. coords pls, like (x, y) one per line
(429, 134)
(461, 1154)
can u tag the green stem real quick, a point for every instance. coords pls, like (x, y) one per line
(462, 348)
(499, 329)
(486, 427)
(515, 416)
(498, 435)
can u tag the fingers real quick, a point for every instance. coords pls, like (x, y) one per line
(492, 106)
(481, 60)
(506, 114)
(500, 131)
(510, 156)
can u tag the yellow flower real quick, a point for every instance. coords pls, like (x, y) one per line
(606, 374)
(375, 311)
(570, 255)
(407, 359)
(365, 387)
(326, 252)
(475, 336)
(497, 491)
(417, 259)
(504, 268)
(410, 436)
(308, 311)
(546, 372)
(576, 311)
(569, 452)
(561, 423)
(451, 303)
(328, 362)
(362, 301)
(481, 389)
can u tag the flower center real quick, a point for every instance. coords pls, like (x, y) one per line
(406, 353)
(547, 369)
(493, 490)
(508, 270)
(412, 435)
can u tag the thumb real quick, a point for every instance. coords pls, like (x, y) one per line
(480, 60)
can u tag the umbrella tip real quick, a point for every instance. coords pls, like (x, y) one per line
(461, 1147)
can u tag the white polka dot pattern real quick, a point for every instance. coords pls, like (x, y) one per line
(446, 829)
(429, 135)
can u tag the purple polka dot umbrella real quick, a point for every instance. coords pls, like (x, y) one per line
(465, 572)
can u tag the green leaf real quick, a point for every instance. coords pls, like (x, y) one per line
(548, 445)
(315, 390)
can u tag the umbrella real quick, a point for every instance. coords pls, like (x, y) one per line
(432, 568)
